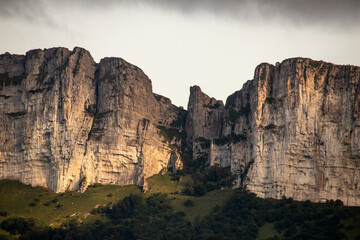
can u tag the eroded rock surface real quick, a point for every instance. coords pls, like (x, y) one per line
(293, 131)
(67, 122)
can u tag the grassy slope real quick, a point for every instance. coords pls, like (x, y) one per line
(202, 205)
(16, 197)
(266, 231)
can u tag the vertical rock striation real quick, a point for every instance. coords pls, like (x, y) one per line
(307, 143)
(67, 122)
(293, 130)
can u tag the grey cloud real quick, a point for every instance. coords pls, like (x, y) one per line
(33, 11)
(344, 13)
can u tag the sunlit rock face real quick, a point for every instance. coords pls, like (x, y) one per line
(67, 122)
(293, 131)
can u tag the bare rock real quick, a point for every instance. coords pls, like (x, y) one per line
(64, 118)
(67, 122)
(294, 131)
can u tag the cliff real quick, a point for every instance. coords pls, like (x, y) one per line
(292, 131)
(67, 122)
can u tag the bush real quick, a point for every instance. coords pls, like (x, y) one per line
(188, 203)
(95, 185)
(3, 213)
(58, 206)
(18, 225)
(199, 189)
(213, 178)
(338, 202)
(125, 208)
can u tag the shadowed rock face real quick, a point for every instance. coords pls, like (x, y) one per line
(67, 122)
(293, 130)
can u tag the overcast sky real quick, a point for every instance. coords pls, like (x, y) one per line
(215, 44)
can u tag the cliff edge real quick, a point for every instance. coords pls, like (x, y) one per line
(67, 122)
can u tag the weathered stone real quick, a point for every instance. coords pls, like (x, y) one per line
(67, 122)
(64, 118)
(204, 121)
(297, 129)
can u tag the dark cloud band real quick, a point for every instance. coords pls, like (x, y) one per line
(304, 12)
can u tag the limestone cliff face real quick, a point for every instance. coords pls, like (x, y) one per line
(204, 122)
(294, 131)
(306, 140)
(67, 122)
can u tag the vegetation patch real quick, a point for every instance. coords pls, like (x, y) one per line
(53, 208)
(270, 100)
(244, 173)
(233, 114)
(314, 64)
(158, 97)
(232, 138)
(188, 203)
(170, 133)
(212, 178)
(165, 213)
(204, 143)
(18, 225)
(212, 106)
(7, 80)
(4, 96)
(17, 114)
(180, 121)
(90, 109)
(270, 126)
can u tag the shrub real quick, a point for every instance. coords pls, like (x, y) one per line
(126, 208)
(271, 126)
(95, 185)
(338, 202)
(3, 214)
(188, 203)
(18, 225)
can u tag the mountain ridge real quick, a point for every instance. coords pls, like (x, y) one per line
(68, 122)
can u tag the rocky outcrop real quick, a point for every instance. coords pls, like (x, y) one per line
(67, 122)
(307, 143)
(204, 122)
(293, 131)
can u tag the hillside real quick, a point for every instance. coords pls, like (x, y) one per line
(164, 212)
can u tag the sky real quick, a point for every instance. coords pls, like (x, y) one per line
(215, 44)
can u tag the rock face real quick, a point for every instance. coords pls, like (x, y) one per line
(67, 122)
(293, 131)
